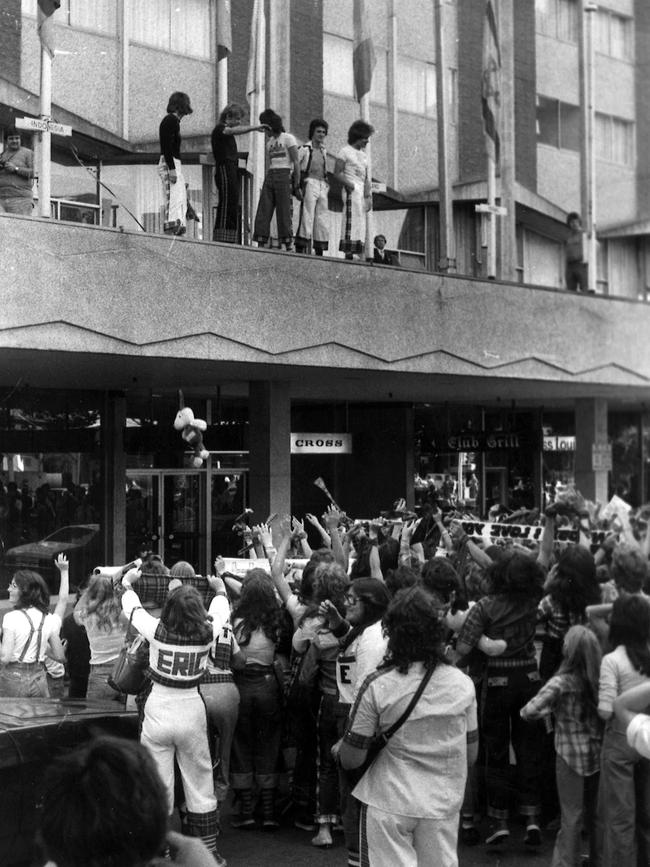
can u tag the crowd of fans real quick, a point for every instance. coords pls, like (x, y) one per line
(491, 669)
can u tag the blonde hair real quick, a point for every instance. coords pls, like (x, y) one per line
(100, 604)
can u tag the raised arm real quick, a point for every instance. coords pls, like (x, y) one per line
(326, 542)
(64, 588)
(375, 562)
(277, 566)
(332, 521)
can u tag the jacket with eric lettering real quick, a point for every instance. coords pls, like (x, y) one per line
(175, 660)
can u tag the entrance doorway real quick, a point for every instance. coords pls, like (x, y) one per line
(169, 512)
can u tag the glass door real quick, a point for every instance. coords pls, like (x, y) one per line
(165, 513)
(183, 519)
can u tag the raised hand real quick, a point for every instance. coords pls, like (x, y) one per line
(62, 563)
(219, 565)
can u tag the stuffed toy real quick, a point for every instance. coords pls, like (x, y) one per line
(192, 432)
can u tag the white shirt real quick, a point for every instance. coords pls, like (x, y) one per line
(638, 734)
(421, 771)
(15, 628)
(358, 660)
(277, 148)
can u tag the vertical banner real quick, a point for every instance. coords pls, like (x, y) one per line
(363, 54)
(491, 83)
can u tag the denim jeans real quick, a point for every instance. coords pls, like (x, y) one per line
(23, 680)
(505, 692)
(623, 803)
(222, 704)
(256, 744)
(328, 775)
(578, 796)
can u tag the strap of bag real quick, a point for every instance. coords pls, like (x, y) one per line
(411, 705)
(31, 633)
(130, 632)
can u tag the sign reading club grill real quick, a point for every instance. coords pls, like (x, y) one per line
(321, 444)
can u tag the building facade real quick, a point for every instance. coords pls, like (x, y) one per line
(107, 328)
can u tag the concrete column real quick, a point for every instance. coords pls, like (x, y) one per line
(591, 429)
(114, 476)
(270, 457)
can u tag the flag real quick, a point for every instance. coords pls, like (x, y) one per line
(224, 29)
(46, 9)
(491, 83)
(363, 54)
(256, 54)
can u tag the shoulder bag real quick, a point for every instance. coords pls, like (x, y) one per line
(380, 740)
(129, 674)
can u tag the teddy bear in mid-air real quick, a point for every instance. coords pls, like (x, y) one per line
(192, 432)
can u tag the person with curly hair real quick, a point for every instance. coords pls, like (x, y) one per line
(412, 793)
(30, 632)
(571, 586)
(256, 622)
(174, 722)
(509, 612)
(351, 170)
(99, 610)
(624, 794)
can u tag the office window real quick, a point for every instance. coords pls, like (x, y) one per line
(558, 18)
(614, 35)
(338, 76)
(416, 86)
(97, 15)
(614, 140)
(558, 124)
(171, 25)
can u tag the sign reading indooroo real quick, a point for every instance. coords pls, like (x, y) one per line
(321, 444)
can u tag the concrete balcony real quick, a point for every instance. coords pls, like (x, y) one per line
(89, 307)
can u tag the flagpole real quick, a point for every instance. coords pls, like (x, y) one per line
(492, 219)
(45, 179)
(364, 104)
(392, 104)
(590, 109)
(447, 258)
(256, 91)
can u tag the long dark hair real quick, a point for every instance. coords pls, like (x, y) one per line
(581, 657)
(516, 575)
(273, 120)
(574, 585)
(415, 630)
(374, 598)
(629, 626)
(257, 608)
(33, 591)
(184, 614)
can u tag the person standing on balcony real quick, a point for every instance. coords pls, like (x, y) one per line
(351, 170)
(282, 178)
(576, 268)
(16, 175)
(313, 224)
(226, 178)
(380, 254)
(169, 166)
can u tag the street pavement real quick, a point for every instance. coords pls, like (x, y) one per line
(290, 847)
